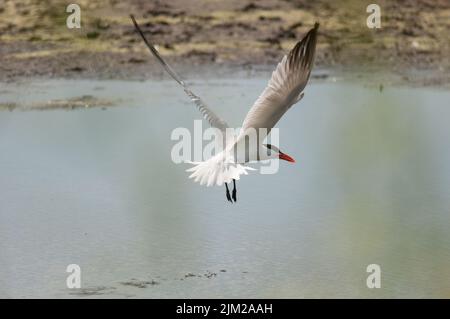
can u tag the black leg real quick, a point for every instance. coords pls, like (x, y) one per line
(228, 193)
(234, 190)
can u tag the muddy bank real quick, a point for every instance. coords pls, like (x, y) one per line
(85, 101)
(413, 42)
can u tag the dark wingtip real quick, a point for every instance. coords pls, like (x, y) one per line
(134, 21)
(304, 49)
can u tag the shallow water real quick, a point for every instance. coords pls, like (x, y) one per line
(97, 188)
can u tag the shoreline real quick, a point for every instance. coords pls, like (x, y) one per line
(414, 78)
(199, 37)
(94, 98)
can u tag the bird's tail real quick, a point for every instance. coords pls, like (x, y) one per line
(216, 171)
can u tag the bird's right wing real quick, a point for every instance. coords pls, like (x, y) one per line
(208, 114)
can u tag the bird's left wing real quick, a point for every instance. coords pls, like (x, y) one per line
(207, 113)
(285, 86)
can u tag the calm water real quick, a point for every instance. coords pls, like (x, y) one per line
(97, 188)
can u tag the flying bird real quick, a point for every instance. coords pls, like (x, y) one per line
(284, 89)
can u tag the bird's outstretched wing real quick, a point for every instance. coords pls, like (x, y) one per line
(285, 86)
(207, 113)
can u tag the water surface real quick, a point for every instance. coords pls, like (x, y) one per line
(97, 187)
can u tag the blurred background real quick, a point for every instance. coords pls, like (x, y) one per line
(86, 177)
(414, 34)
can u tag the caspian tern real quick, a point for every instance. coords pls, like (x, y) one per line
(284, 89)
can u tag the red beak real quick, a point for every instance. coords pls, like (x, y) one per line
(286, 157)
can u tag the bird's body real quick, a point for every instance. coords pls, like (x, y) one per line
(284, 89)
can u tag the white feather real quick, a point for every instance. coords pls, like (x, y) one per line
(217, 170)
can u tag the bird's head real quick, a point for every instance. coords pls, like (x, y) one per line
(275, 152)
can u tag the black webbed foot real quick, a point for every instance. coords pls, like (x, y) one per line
(234, 190)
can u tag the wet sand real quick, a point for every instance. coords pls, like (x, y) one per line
(198, 36)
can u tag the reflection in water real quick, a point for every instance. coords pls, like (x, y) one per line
(97, 188)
